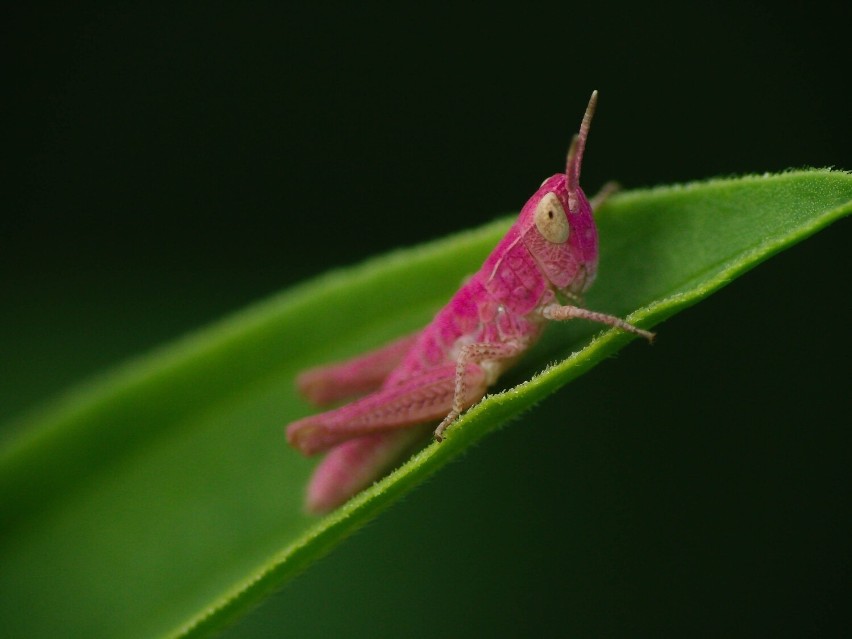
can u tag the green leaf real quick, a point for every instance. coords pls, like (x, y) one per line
(161, 499)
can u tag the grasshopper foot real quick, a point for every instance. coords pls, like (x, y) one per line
(449, 419)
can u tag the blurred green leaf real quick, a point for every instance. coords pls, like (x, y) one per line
(162, 499)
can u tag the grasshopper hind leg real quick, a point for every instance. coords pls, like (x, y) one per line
(351, 466)
(423, 398)
(357, 376)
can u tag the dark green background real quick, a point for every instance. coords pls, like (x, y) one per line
(167, 165)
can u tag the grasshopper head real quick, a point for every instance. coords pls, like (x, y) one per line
(557, 224)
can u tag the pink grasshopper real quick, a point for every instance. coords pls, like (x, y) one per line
(551, 252)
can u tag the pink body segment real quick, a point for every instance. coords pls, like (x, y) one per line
(549, 254)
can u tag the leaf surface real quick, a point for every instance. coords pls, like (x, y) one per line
(161, 499)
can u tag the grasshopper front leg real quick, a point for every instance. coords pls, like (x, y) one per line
(567, 312)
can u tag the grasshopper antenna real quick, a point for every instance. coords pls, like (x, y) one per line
(575, 152)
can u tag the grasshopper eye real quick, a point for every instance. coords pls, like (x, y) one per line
(550, 219)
